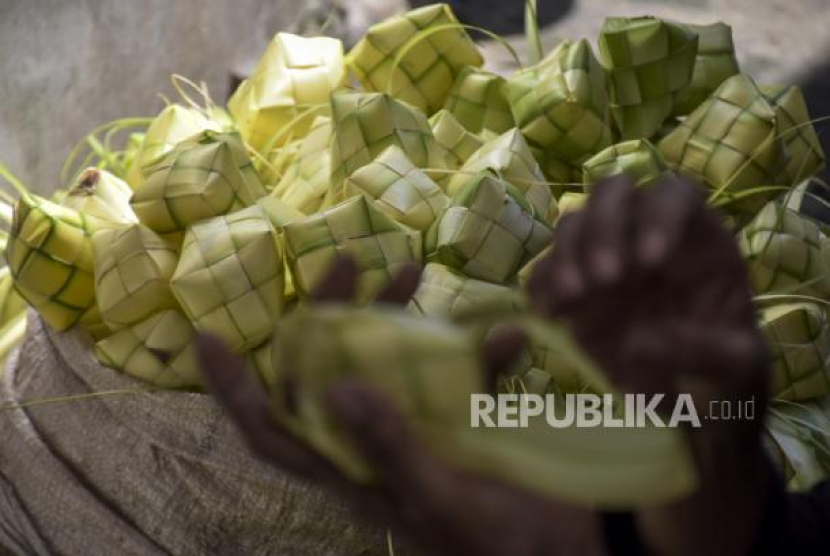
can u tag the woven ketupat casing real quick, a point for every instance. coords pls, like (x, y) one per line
(488, 231)
(784, 255)
(805, 157)
(230, 277)
(49, 253)
(446, 293)
(133, 267)
(407, 57)
(207, 175)
(11, 304)
(798, 337)
(399, 189)
(402, 355)
(453, 138)
(365, 124)
(729, 142)
(478, 103)
(308, 179)
(637, 158)
(159, 350)
(561, 104)
(715, 62)
(379, 246)
(173, 125)
(101, 194)
(294, 74)
(509, 157)
(650, 64)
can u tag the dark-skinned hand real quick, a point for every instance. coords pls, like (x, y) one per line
(653, 287)
(437, 508)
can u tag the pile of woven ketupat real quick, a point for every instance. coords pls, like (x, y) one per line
(406, 151)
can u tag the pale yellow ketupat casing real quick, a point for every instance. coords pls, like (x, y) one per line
(295, 74)
(99, 193)
(174, 124)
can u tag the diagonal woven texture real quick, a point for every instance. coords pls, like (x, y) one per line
(650, 64)
(509, 157)
(307, 181)
(715, 62)
(478, 102)
(159, 350)
(49, 253)
(133, 267)
(637, 158)
(783, 252)
(399, 189)
(729, 142)
(428, 57)
(798, 337)
(453, 138)
(561, 104)
(365, 124)
(230, 277)
(805, 157)
(207, 175)
(294, 74)
(488, 232)
(446, 293)
(379, 245)
(174, 124)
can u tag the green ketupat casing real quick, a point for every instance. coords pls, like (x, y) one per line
(488, 231)
(650, 65)
(207, 175)
(230, 279)
(446, 293)
(729, 143)
(307, 181)
(173, 125)
(50, 257)
(160, 350)
(799, 343)
(452, 137)
(379, 245)
(805, 156)
(561, 105)
(477, 102)
(133, 267)
(365, 124)
(715, 62)
(415, 56)
(783, 250)
(509, 157)
(399, 189)
(638, 158)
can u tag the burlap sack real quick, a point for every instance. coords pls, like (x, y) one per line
(144, 473)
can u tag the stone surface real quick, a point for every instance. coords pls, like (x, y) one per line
(70, 65)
